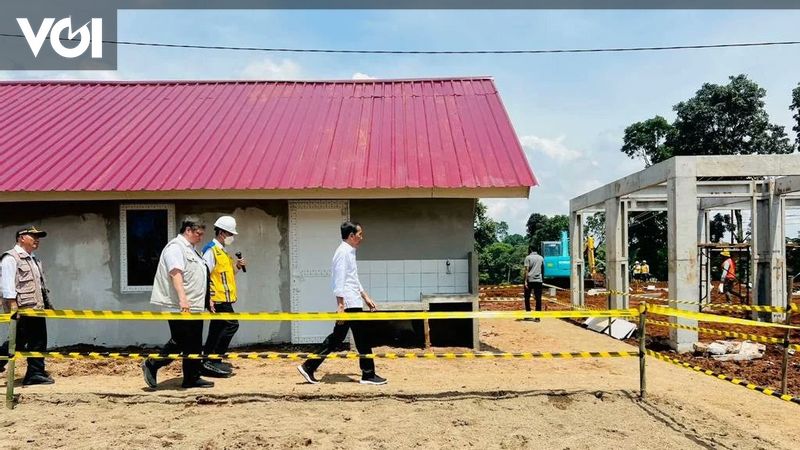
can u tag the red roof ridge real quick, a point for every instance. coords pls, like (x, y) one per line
(246, 81)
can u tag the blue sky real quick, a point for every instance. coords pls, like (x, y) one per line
(569, 110)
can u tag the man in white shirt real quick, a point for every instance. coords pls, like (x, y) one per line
(181, 285)
(350, 297)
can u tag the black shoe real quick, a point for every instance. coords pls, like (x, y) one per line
(3, 365)
(309, 376)
(215, 370)
(37, 379)
(537, 319)
(372, 379)
(149, 373)
(226, 365)
(198, 383)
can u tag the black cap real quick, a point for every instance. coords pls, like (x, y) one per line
(33, 231)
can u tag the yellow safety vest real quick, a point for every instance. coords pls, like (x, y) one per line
(223, 278)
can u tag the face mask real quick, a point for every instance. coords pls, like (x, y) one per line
(228, 240)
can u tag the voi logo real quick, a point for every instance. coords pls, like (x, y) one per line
(91, 35)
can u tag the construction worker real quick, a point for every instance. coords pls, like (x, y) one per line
(645, 270)
(637, 271)
(23, 287)
(222, 269)
(728, 275)
(534, 279)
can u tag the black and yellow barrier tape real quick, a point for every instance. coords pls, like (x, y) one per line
(5, 318)
(499, 287)
(347, 355)
(794, 346)
(714, 318)
(752, 337)
(501, 299)
(725, 306)
(736, 381)
(310, 316)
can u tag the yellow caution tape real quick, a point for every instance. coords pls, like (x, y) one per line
(705, 317)
(348, 355)
(5, 318)
(736, 381)
(501, 299)
(794, 346)
(752, 337)
(499, 287)
(311, 316)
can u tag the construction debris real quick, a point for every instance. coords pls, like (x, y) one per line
(731, 350)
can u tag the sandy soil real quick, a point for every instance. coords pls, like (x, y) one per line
(577, 403)
(763, 372)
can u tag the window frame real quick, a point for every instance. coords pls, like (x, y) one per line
(125, 288)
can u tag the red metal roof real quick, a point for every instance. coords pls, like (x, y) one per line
(219, 135)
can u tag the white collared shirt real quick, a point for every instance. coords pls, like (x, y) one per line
(344, 276)
(173, 256)
(8, 270)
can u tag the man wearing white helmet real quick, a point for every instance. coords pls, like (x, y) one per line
(222, 288)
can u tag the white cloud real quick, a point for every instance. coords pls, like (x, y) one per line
(552, 148)
(362, 76)
(268, 69)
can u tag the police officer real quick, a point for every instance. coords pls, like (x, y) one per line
(23, 287)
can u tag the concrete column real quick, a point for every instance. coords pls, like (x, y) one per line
(769, 252)
(576, 259)
(703, 237)
(617, 250)
(682, 247)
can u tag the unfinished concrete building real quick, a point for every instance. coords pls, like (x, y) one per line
(688, 188)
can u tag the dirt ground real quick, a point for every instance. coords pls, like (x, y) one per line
(763, 372)
(493, 403)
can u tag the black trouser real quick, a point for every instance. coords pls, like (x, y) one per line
(220, 332)
(31, 337)
(187, 338)
(536, 286)
(360, 335)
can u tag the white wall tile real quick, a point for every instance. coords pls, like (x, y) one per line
(378, 280)
(365, 283)
(412, 294)
(430, 289)
(378, 294)
(429, 265)
(395, 294)
(447, 290)
(364, 267)
(462, 266)
(395, 280)
(377, 266)
(394, 267)
(412, 280)
(430, 280)
(462, 282)
(412, 266)
(448, 280)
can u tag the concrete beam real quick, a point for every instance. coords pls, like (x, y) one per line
(785, 185)
(746, 165)
(650, 176)
(682, 248)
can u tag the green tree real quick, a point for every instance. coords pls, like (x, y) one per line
(726, 119)
(542, 228)
(647, 140)
(485, 228)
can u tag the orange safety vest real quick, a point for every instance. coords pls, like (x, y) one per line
(731, 275)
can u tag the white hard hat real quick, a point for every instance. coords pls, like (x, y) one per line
(644, 261)
(226, 223)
